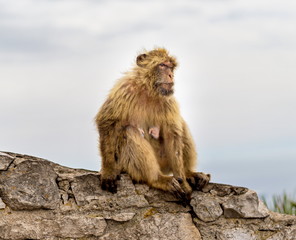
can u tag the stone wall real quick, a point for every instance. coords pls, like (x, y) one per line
(43, 200)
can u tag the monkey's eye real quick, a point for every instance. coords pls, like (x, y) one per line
(162, 65)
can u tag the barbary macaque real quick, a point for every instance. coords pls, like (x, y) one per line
(142, 132)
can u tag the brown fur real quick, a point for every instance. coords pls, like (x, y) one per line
(142, 132)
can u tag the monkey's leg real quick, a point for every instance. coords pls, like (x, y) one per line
(138, 160)
(197, 180)
(110, 171)
(174, 157)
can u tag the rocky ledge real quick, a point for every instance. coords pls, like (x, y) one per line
(43, 200)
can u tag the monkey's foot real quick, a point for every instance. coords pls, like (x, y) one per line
(174, 186)
(109, 183)
(197, 180)
(181, 190)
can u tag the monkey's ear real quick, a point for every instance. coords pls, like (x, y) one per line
(141, 60)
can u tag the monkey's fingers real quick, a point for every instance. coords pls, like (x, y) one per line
(142, 132)
(180, 193)
(202, 180)
(154, 132)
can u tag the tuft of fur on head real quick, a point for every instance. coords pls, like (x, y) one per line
(147, 63)
(150, 59)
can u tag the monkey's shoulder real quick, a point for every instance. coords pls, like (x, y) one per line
(125, 84)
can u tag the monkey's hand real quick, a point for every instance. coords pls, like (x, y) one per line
(109, 183)
(142, 132)
(154, 132)
(197, 180)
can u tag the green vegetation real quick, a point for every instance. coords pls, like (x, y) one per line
(282, 204)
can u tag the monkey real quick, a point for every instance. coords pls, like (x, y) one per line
(143, 133)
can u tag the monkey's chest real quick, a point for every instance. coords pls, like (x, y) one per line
(153, 115)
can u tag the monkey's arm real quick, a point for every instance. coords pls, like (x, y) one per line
(107, 121)
(112, 120)
(110, 170)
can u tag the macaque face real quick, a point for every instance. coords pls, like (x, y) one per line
(165, 78)
(160, 71)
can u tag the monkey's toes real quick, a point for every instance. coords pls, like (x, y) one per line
(198, 180)
(109, 185)
(202, 180)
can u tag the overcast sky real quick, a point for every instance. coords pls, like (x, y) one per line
(235, 82)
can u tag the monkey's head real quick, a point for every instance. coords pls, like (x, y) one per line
(157, 69)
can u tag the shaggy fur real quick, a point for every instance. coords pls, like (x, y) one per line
(141, 102)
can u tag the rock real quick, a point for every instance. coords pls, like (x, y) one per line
(287, 234)
(5, 161)
(2, 204)
(159, 227)
(246, 205)
(222, 190)
(236, 234)
(80, 226)
(41, 225)
(30, 185)
(43, 200)
(120, 217)
(86, 189)
(206, 207)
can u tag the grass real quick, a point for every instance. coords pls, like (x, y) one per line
(282, 204)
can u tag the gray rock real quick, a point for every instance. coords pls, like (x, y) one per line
(236, 234)
(81, 226)
(41, 225)
(222, 190)
(2, 204)
(5, 161)
(30, 185)
(207, 208)
(114, 203)
(86, 188)
(246, 205)
(87, 191)
(286, 234)
(120, 217)
(158, 227)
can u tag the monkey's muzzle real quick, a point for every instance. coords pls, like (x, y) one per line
(166, 88)
(167, 85)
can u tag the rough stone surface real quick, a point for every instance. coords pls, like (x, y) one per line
(45, 224)
(30, 185)
(245, 206)
(5, 161)
(206, 208)
(2, 204)
(165, 226)
(43, 200)
(236, 234)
